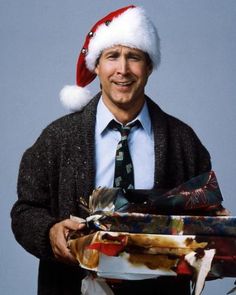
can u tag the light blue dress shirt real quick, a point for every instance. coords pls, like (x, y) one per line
(141, 147)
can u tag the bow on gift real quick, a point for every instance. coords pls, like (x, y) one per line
(197, 196)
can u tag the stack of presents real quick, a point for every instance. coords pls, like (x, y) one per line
(131, 235)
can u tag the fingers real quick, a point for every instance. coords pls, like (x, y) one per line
(58, 235)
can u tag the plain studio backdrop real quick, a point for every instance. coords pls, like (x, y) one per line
(40, 42)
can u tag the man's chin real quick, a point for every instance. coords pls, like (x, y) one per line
(123, 103)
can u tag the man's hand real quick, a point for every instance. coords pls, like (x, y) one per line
(58, 234)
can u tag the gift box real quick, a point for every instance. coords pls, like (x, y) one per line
(129, 256)
(130, 237)
(153, 255)
(166, 224)
(200, 195)
(136, 211)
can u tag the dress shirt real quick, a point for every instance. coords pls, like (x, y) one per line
(141, 147)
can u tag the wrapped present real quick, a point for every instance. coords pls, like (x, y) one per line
(142, 256)
(200, 195)
(165, 224)
(158, 253)
(134, 231)
(135, 211)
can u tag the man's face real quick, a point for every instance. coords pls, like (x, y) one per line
(123, 74)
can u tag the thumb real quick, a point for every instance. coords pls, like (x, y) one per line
(73, 225)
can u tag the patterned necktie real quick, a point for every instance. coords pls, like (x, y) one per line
(124, 174)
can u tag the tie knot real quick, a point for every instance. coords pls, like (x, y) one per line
(123, 129)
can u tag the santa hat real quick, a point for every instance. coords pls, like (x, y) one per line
(128, 26)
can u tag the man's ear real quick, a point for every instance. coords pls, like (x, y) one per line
(96, 70)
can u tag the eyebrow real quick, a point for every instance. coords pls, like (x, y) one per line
(111, 51)
(128, 54)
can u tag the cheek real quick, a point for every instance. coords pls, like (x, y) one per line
(143, 76)
(140, 70)
(103, 74)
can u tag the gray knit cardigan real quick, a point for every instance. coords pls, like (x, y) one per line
(58, 173)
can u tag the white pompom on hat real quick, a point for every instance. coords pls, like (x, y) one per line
(128, 26)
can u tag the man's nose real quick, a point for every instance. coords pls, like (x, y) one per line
(122, 66)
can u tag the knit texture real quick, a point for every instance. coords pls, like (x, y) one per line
(57, 175)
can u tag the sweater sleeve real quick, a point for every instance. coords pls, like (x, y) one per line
(32, 213)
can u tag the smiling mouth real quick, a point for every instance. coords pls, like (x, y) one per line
(127, 83)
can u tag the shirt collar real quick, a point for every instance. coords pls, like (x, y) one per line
(104, 116)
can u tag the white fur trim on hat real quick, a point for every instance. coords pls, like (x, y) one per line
(133, 29)
(75, 98)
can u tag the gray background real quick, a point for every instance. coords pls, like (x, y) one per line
(40, 41)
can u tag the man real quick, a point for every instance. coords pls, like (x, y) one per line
(76, 153)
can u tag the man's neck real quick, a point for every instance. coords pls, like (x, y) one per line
(125, 114)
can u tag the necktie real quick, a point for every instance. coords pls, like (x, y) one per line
(124, 174)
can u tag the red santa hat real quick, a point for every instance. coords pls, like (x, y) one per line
(128, 26)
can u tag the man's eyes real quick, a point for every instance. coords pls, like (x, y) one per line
(134, 57)
(129, 57)
(112, 56)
